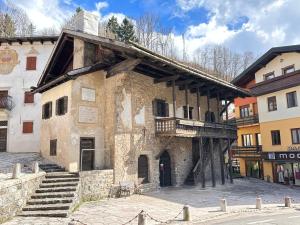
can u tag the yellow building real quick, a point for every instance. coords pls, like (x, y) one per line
(277, 75)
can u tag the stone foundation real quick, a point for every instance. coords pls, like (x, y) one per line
(15, 192)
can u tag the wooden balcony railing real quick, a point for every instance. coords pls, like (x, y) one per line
(192, 128)
(246, 120)
(6, 102)
(246, 151)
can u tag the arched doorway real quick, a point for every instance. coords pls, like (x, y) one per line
(143, 169)
(165, 170)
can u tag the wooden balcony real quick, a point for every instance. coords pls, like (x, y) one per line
(192, 128)
(249, 120)
(246, 151)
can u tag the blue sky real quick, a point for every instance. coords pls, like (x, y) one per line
(242, 25)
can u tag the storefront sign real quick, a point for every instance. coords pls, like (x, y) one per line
(283, 156)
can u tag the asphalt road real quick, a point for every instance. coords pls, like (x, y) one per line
(277, 219)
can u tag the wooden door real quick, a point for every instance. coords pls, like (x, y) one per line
(165, 170)
(87, 153)
(3, 139)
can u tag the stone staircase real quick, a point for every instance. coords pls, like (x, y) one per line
(56, 196)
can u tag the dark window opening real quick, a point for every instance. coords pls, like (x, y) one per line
(185, 112)
(143, 169)
(160, 108)
(53, 147)
(272, 104)
(269, 76)
(296, 136)
(291, 99)
(47, 110)
(288, 69)
(276, 137)
(62, 106)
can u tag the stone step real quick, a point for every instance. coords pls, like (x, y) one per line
(49, 201)
(46, 207)
(62, 184)
(60, 180)
(50, 170)
(53, 195)
(58, 189)
(61, 175)
(50, 213)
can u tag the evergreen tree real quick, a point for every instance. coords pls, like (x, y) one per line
(112, 26)
(126, 31)
(78, 9)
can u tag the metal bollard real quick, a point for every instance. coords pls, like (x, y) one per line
(223, 204)
(35, 167)
(288, 202)
(186, 213)
(142, 219)
(16, 171)
(258, 203)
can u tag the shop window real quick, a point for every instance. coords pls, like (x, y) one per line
(47, 110)
(276, 137)
(269, 76)
(31, 63)
(288, 69)
(143, 169)
(296, 136)
(28, 97)
(247, 140)
(272, 104)
(185, 112)
(53, 147)
(62, 106)
(160, 108)
(291, 98)
(244, 111)
(27, 127)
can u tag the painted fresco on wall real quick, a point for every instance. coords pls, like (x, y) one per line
(8, 60)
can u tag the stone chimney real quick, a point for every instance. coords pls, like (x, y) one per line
(85, 22)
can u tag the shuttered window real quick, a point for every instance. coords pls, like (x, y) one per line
(27, 127)
(53, 147)
(28, 97)
(160, 108)
(276, 140)
(31, 63)
(185, 112)
(62, 106)
(47, 110)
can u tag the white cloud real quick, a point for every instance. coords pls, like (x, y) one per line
(101, 5)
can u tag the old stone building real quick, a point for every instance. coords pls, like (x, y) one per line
(107, 104)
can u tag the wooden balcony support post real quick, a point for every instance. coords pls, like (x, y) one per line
(174, 98)
(202, 171)
(198, 104)
(187, 101)
(222, 161)
(208, 100)
(218, 107)
(226, 110)
(229, 161)
(212, 163)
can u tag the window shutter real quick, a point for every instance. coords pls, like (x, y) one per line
(154, 107)
(65, 104)
(167, 109)
(57, 107)
(31, 63)
(27, 127)
(50, 109)
(43, 111)
(28, 97)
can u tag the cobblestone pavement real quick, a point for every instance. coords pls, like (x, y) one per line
(166, 203)
(8, 160)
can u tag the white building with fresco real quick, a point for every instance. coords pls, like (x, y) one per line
(22, 61)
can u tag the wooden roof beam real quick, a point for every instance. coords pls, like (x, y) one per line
(166, 79)
(124, 66)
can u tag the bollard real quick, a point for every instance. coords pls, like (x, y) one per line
(288, 202)
(142, 219)
(35, 167)
(186, 213)
(258, 203)
(16, 171)
(223, 205)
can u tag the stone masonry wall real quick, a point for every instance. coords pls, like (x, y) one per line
(95, 184)
(15, 192)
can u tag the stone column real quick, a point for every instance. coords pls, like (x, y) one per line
(35, 167)
(223, 205)
(16, 171)
(186, 213)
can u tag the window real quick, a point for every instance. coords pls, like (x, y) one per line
(185, 113)
(291, 98)
(296, 136)
(28, 97)
(269, 76)
(53, 147)
(247, 139)
(272, 105)
(47, 110)
(31, 63)
(160, 108)
(288, 69)
(27, 127)
(143, 169)
(275, 137)
(62, 106)
(244, 111)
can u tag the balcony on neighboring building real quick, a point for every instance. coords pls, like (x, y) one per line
(249, 120)
(193, 128)
(6, 103)
(246, 151)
